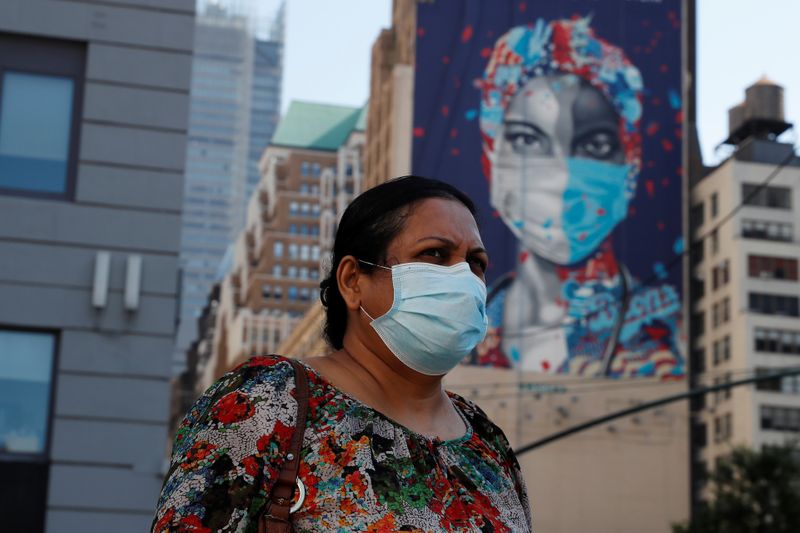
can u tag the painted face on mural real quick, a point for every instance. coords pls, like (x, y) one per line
(558, 168)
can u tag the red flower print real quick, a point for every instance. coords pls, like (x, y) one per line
(163, 524)
(192, 524)
(233, 407)
(200, 451)
(250, 465)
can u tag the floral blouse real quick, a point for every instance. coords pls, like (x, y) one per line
(362, 471)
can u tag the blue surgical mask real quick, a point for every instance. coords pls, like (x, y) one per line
(437, 317)
(561, 209)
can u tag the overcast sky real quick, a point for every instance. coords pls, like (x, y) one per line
(328, 46)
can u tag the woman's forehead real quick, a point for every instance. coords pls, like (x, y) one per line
(440, 217)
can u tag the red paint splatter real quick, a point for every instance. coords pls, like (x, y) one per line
(445, 110)
(486, 52)
(652, 128)
(522, 7)
(582, 237)
(667, 145)
(455, 152)
(420, 32)
(679, 171)
(466, 34)
(545, 365)
(495, 214)
(523, 256)
(664, 68)
(665, 182)
(446, 60)
(601, 211)
(650, 186)
(679, 117)
(678, 133)
(656, 101)
(660, 226)
(453, 133)
(419, 132)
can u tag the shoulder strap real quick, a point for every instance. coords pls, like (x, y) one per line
(276, 515)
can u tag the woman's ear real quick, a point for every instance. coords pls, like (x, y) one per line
(347, 276)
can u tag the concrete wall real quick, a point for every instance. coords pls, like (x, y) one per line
(109, 420)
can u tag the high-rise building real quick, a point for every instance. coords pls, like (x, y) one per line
(235, 106)
(93, 121)
(746, 311)
(311, 169)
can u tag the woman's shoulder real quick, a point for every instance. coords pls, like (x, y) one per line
(482, 426)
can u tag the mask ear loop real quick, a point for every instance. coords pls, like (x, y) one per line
(365, 312)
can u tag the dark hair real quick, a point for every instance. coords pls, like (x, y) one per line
(367, 227)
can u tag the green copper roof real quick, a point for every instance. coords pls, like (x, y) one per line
(316, 126)
(361, 123)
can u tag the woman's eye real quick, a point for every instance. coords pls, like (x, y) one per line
(436, 253)
(601, 145)
(477, 262)
(526, 139)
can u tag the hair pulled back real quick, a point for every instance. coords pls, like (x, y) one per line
(368, 225)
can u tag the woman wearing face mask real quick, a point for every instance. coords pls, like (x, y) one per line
(384, 448)
(560, 114)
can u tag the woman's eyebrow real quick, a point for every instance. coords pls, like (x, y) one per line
(451, 244)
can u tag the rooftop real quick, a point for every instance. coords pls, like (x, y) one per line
(318, 126)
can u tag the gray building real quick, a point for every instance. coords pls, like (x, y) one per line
(235, 107)
(93, 118)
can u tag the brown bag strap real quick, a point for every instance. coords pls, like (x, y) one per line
(276, 515)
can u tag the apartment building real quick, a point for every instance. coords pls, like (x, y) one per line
(93, 123)
(746, 299)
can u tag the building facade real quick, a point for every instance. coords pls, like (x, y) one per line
(312, 166)
(93, 122)
(746, 315)
(235, 107)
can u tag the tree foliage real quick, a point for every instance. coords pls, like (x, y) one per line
(751, 492)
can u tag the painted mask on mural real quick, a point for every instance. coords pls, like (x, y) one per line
(559, 176)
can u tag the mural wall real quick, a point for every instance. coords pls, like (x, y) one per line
(562, 120)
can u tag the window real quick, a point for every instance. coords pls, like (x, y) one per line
(293, 251)
(305, 208)
(313, 273)
(696, 215)
(720, 275)
(305, 294)
(304, 189)
(699, 360)
(305, 168)
(316, 170)
(784, 385)
(721, 312)
(291, 294)
(303, 273)
(294, 208)
(769, 196)
(761, 266)
(315, 253)
(304, 252)
(774, 304)
(777, 341)
(277, 292)
(292, 229)
(277, 249)
(276, 271)
(315, 209)
(266, 291)
(714, 205)
(303, 229)
(698, 323)
(723, 427)
(291, 272)
(41, 86)
(714, 242)
(767, 230)
(780, 418)
(26, 369)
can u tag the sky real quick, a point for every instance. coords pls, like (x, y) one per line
(328, 45)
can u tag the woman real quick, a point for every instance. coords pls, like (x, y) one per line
(385, 448)
(560, 113)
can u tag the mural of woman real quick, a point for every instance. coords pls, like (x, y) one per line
(559, 118)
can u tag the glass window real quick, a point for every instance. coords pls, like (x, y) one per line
(714, 205)
(293, 251)
(315, 253)
(276, 271)
(293, 208)
(277, 249)
(26, 365)
(292, 228)
(291, 272)
(291, 293)
(35, 125)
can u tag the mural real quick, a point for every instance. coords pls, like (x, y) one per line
(563, 122)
